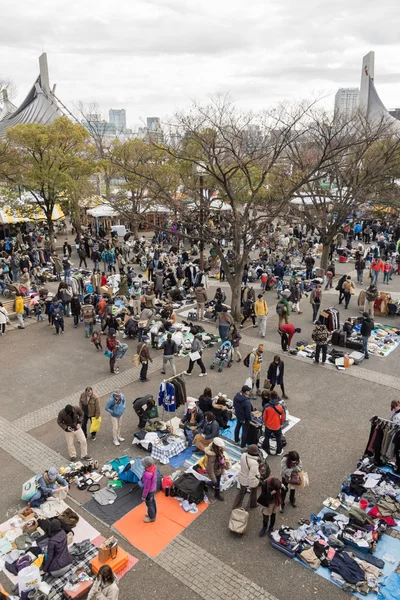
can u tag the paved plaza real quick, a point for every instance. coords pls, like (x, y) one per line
(41, 372)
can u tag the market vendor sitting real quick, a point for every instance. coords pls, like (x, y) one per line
(208, 431)
(192, 422)
(50, 481)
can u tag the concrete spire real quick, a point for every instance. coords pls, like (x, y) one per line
(44, 73)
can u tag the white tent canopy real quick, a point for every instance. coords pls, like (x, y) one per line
(103, 210)
(310, 200)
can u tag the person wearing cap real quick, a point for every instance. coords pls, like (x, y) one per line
(149, 486)
(50, 480)
(192, 422)
(367, 325)
(116, 405)
(242, 407)
(249, 476)
(255, 364)
(208, 431)
(217, 462)
(287, 332)
(261, 312)
(70, 420)
(143, 351)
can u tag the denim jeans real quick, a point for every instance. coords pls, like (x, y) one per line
(224, 332)
(244, 426)
(374, 276)
(386, 277)
(151, 506)
(365, 339)
(347, 298)
(88, 329)
(315, 309)
(189, 434)
(360, 276)
(318, 348)
(76, 320)
(67, 274)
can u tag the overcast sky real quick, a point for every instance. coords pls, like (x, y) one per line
(153, 56)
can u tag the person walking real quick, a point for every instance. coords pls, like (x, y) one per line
(283, 311)
(144, 357)
(348, 291)
(195, 356)
(82, 256)
(315, 301)
(90, 406)
(4, 318)
(75, 309)
(116, 405)
(217, 463)
(339, 288)
(295, 297)
(149, 483)
(235, 340)
(201, 298)
(70, 420)
(320, 336)
(242, 407)
(58, 317)
(387, 270)
(275, 374)
(111, 349)
(309, 262)
(330, 274)
(367, 326)
(255, 364)
(273, 418)
(89, 316)
(377, 266)
(360, 266)
(223, 323)
(249, 477)
(261, 312)
(19, 310)
(291, 468)
(170, 349)
(271, 500)
(371, 294)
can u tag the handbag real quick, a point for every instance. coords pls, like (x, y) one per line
(108, 549)
(136, 358)
(142, 324)
(29, 488)
(108, 353)
(95, 425)
(295, 479)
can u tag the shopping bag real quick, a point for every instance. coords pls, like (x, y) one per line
(29, 488)
(108, 353)
(151, 413)
(136, 360)
(194, 356)
(249, 382)
(95, 425)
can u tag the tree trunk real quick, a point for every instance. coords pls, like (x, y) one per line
(235, 283)
(77, 225)
(325, 254)
(135, 229)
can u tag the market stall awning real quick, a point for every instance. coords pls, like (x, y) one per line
(15, 215)
(104, 210)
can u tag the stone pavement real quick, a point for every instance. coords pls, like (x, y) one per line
(206, 575)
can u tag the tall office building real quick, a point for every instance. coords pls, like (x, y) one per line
(346, 101)
(117, 116)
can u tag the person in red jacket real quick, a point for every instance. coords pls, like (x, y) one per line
(274, 416)
(377, 266)
(286, 332)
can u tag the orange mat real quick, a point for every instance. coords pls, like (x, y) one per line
(152, 538)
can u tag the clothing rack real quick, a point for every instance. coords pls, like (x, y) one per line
(384, 420)
(165, 381)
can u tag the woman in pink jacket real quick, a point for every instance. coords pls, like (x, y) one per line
(149, 481)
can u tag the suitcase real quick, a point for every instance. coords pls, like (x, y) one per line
(354, 345)
(335, 337)
(342, 339)
(253, 433)
(281, 548)
(357, 356)
(238, 520)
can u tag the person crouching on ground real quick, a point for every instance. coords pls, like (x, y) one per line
(50, 480)
(149, 481)
(217, 463)
(208, 431)
(142, 407)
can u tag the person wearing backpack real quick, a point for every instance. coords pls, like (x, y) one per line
(261, 312)
(283, 311)
(58, 318)
(249, 476)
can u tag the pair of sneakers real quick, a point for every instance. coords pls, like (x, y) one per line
(118, 440)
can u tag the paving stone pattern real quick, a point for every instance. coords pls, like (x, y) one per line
(182, 558)
(26, 449)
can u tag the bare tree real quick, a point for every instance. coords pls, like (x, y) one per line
(361, 157)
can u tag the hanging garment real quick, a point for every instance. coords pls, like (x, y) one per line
(166, 396)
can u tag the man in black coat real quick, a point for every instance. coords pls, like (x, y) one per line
(367, 326)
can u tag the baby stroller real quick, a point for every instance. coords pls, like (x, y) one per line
(223, 355)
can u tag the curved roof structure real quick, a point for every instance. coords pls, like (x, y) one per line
(40, 105)
(370, 101)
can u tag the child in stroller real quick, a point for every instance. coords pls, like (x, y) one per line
(224, 355)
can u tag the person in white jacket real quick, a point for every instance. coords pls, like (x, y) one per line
(3, 319)
(105, 586)
(249, 476)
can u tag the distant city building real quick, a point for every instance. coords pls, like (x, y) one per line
(96, 126)
(346, 101)
(395, 112)
(152, 130)
(117, 116)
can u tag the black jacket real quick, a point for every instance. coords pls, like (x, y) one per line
(169, 347)
(367, 326)
(205, 404)
(75, 306)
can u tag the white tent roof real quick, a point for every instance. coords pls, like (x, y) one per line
(310, 200)
(104, 210)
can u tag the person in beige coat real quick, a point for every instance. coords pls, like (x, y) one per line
(105, 586)
(217, 462)
(249, 476)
